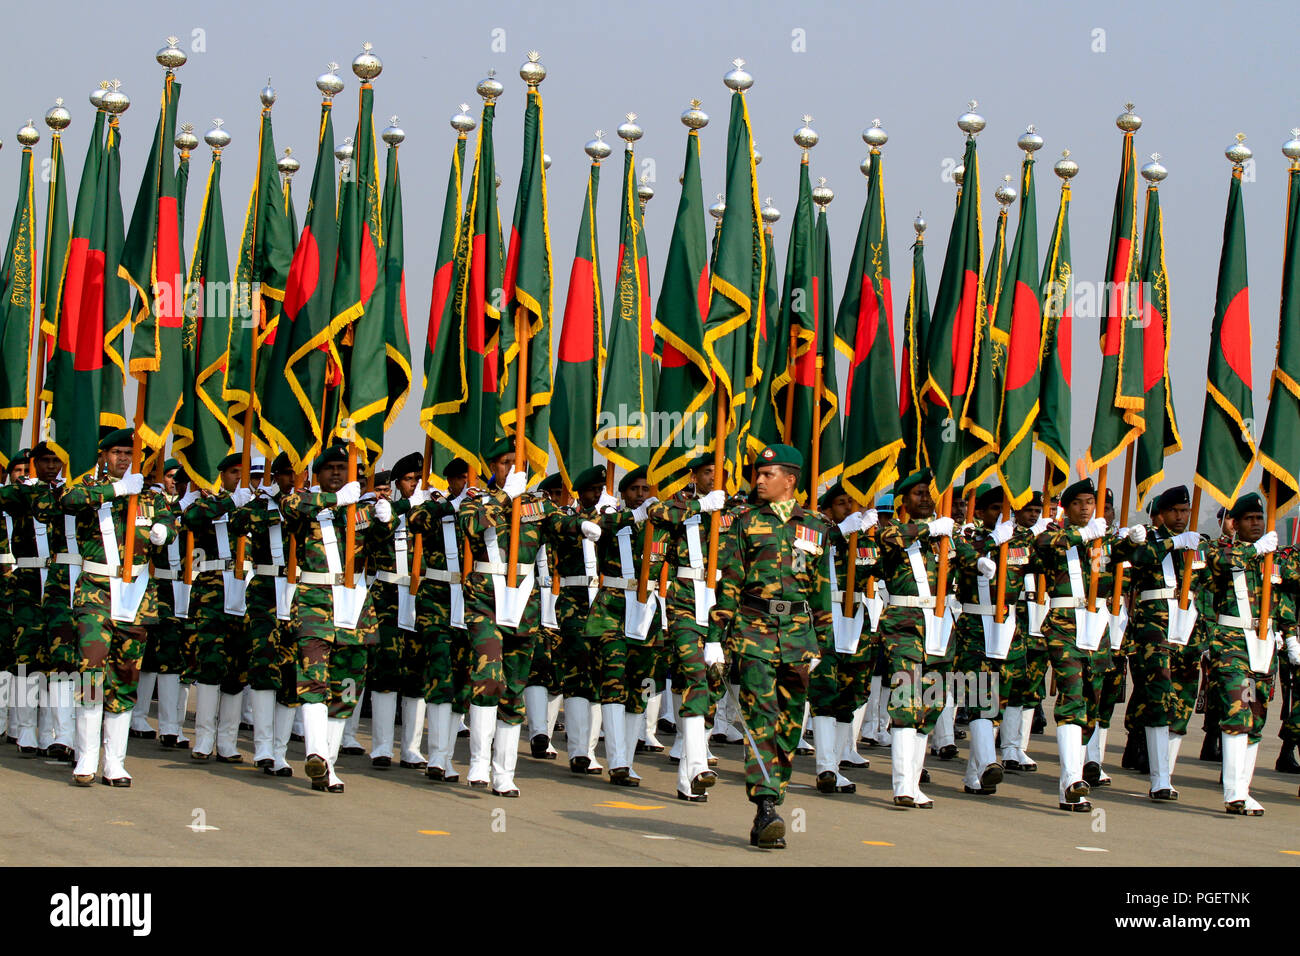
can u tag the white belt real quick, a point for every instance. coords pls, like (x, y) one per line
(7, 559)
(985, 609)
(29, 562)
(1159, 594)
(696, 574)
(320, 578)
(165, 574)
(268, 570)
(108, 571)
(904, 600)
(578, 581)
(1066, 602)
(392, 577)
(216, 564)
(621, 584)
(499, 567)
(438, 574)
(1229, 620)
(64, 557)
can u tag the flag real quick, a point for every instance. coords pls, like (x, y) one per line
(1226, 452)
(444, 348)
(152, 262)
(392, 288)
(627, 387)
(952, 340)
(1056, 290)
(1019, 327)
(682, 393)
(864, 333)
(1279, 448)
(202, 431)
(1161, 435)
(265, 253)
(820, 363)
(17, 312)
(738, 284)
(528, 286)
(1120, 401)
(912, 371)
(295, 387)
(991, 347)
(582, 348)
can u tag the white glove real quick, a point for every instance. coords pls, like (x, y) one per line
(456, 502)
(713, 652)
(1191, 539)
(270, 491)
(132, 483)
(941, 528)
(1293, 651)
(418, 497)
(188, 499)
(383, 511)
(851, 525)
(607, 502)
(1002, 531)
(349, 494)
(591, 531)
(870, 518)
(31, 481)
(987, 567)
(241, 496)
(1267, 544)
(1138, 534)
(641, 513)
(1039, 526)
(1093, 530)
(158, 534)
(714, 501)
(516, 482)
(812, 664)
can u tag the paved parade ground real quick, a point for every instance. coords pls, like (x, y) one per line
(181, 812)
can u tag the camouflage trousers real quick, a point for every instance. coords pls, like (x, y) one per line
(1288, 682)
(625, 667)
(1025, 669)
(221, 642)
(979, 681)
(7, 636)
(443, 648)
(329, 673)
(30, 648)
(500, 658)
(684, 659)
(63, 653)
(915, 693)
(384, 660)
(1110, 676)
(110, 654)
(1185, 668)
(544, 672)
(1076, 700)
(1243, 695)
(575, 660)
(1154, 705)
(166, 651)
(772, 695)
(841, 682)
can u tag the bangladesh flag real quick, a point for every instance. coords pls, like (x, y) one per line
(682, 394)
(1227, 450)
(1020, 320)
(769, 313)
(1161, 435)
(265, 253)
(296, 379)
(56, 242)
(991, 349)
(445, 369)
(913, 372)
(152, 262)
(202, 431)
(627, 387)
(1279, 448)
(820, 366)
(17, 313)
(392, 288)
(953, 338)
(1056, 290)
(1120, 399)
(864, 333)
(582, 349)
(528, 284)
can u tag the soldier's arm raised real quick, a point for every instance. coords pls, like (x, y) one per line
(82, 497)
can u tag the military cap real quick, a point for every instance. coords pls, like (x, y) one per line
(830, 494)
(456, 468)
(20, 456)
(595, 475)
(780, 455)
(171, 464)
(636, 474)
(915, 478)
(230, 461)
(1036, 499)
(701, 461)
(502, 446)
(1083, 486)
(407, 464)
(383, 478)
(989, 495)
(281, 464)
(329, 456)
(1170, 497)
(1247, 504)
(550, 483)
(117, 438)
(1110, 496)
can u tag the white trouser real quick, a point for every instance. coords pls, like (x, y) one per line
(115, 730)
(281, 728)
(63, 708)
(1069, 746)
(944, 730)
(143, 700)
(902, 745)
(1009, 733)
(30, 691)
(383, 718)
(264, 725)
(983, 751)
(412, 729)
(635, 724)
(918, 755)
(1158, 757)
(169, 692)
(232, 709)
(505, 754)
(535, 710)
(482, 728)
(694, 758)
(652, 705)
(351, 724)
(577, 726)
(89, 724)
(441, 730)
(315, 730)
(246, 705)
(614, 719)
(205, 717)
(335, 729)
(824, 735)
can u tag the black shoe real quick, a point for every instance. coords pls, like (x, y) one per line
(1083, 806)
(1167, 794)
(1286, 762)
(270, 771)
(719, 739)
(991, 777)
(115, 781)
(768, 831)
(325, 787)
(693, 798)
(479, 784)
(1011, 766)
(1092, 773)
(412, 764)
(202, 758)
(850, 765)
(961, 716)
(266, 763)
(980, 791)
(142, 734)
(703, 781)
(650, 748)
(946, 752)
(505, 793)
(538, 745)
(381, 763)
(958, 734)
(246, 726)
(60, 752)
(1040, 721)
(925, 776)
(1077, 791)
(1212, 748)
(463, 733)
(173, 742)
(579, 764)
(435, 774)
(352, 751)
(803, 750)
(317, 770)
(28, 751)
(622, 777)
(665, 726)
(297, 738)
(83, 779)
(827, 783)
(237, 758)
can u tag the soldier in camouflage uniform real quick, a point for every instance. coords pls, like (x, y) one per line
(110, 613)
(7, 654)
(217, 608)
(1065, 560)
(1288, 681)
(1240, 656)
(503, 623)
(57, 538)
(1108, 668)
(332, 624)
(1209, 693)
(773, 612)
(1025, 670)
(442, 635)
(542, 693)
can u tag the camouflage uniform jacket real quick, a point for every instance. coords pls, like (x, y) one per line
(426, 521)
(19, 501)
(765, 560)
(539, 521)
(609, 563)
(1149, 620)
(895, 569)
(1052, 549)
(671, 516)
(1220, 564)
(980, 544)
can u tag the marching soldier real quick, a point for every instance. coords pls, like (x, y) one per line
(110, 613)
(167, 639)
(1025, 669)
(57, 537)
(773, 613)
(541, 695)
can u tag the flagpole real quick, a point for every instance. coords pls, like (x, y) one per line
(1000, 613)
(720, 432)
(814, 458)
(1094, 549)
(417, 542)
(1266, 595)
(941, 586)
(36, 387)
(1185, 586)
(521, 404)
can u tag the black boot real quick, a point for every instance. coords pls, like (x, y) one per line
(1212, 748)
(1129, 760)
(1286, 762)
(1040, 721)
(768, 831)
(1143, 761)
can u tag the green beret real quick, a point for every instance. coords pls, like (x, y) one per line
(1110, 496)
(553, 482)
(988, 495)
(915, 478)
(406, 465)
(456, 468)
(171, 464)
(1082, 487)
(230, 461)
(117, 438)
(595, 475)
(281, 464)
(830, 494)
(1172, 497)
(1247, 504)
(780, 455)
(1036, 499)
(329, 456)
(502, 446)
(636, 474)
(701, 461)
(382, 478)
(22, 454)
